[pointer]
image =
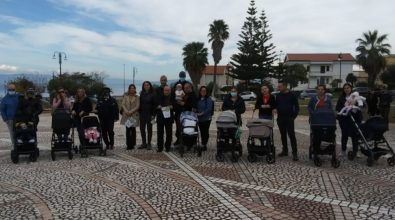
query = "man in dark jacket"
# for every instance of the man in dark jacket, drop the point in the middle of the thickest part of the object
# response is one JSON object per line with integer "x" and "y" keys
{"x": 385, "y": 100}
{"x": 108, "y": 112}
{"x": 178, "y": 108}
{"x": 287, "y": 107}
{"x": 165, "y": 118}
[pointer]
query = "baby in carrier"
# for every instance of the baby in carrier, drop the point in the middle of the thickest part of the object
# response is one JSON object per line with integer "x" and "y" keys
{"x": 352, "y": 102}
{"x": 92, "y": 134}
{"x": 24, "y": 132}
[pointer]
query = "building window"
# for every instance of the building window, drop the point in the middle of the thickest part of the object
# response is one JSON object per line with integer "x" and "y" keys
{"x": 308, "y": 68}
{"x": 327, "y": 68}
{"x": 322, "y": 69}
{"x": 318, "y": 82}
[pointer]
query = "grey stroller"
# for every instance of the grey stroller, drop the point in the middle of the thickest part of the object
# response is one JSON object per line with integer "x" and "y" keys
{"x": 227, "y": 138}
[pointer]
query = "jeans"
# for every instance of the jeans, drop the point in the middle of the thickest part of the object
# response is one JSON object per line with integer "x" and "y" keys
{"x": 145, "y": 121}
{"x": 204, "y": 127}
{"x": 130, "y": 137}
{"x": 287, "y": 126}
{"x": 107, "y": 127}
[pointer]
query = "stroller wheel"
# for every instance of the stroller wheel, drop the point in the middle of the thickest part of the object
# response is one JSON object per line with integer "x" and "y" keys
{"x": 369, "y": 161}
{"x": 219, "y": 157}
{"x": 235, "y": 158}
{"x": 103, "y": 152}
{"x": 335, "y": 163}
{"x": 270, "y": 159}
{"x": 391, "y": 161}
{"x": 14, "y": 156}
{"x": 317, "y": 162}
{"x": 53, "y": 156}
{"x": 70, "y": 154}
{"x": 251, "y": 157}
{"x": 33, "y": 157}
{"x": 350, "y": 155}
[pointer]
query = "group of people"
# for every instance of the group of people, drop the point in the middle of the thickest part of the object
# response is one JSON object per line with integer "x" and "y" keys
{"x": 165, "y": 104}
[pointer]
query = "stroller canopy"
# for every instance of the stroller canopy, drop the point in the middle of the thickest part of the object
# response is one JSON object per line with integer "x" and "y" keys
{"x": 259, "y": 128}
{"x": 188, "y": 115}
{"x": 227, "y": 119}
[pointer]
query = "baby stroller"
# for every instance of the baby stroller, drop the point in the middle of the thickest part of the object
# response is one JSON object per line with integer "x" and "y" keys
{"x": 25, "y": 140}
{"x": 189, "y": 133}
{"x": 227, "y": 138}
{"x": 261, "y": 129}
{"x": 323, "y": 136}
{"x": 371, "y": 140}
{"x": 62, "y": 139}
{"x": 89, "y": 122}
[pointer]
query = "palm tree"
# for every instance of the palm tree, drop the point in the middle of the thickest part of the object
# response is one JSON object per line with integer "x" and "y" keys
{"x": 371, "y": 50}
{"x": 195, "y": 60}
{"x": 218, "y": 33}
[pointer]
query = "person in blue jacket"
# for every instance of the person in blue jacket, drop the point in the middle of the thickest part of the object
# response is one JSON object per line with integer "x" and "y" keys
{"x": 8, "y": 107}
{"x": 205, "y": 109}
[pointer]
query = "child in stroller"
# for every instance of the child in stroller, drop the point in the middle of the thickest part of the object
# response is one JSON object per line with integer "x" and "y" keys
{"x": 24, "y": 132}
{"x": 92, "y": 134}
{"x": 189, "y": 132}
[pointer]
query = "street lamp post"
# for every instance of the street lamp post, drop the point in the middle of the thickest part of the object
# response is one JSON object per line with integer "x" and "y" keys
{"x": 339, "y": 58}
{"x": 60, "y": 54}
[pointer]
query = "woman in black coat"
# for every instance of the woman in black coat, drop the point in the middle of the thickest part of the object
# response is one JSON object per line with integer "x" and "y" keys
{"x": 346, "y": 124}
{"x": 82, "y": 107}
{"x": 147, "y": 111}
{"x": 234, "y": 103}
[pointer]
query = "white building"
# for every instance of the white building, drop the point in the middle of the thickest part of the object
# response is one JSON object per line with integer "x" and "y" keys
{"x": 223, "y": 79}
{"x": 322, "y": 68}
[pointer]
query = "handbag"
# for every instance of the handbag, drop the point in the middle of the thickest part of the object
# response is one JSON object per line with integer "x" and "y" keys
{"x": 130, "y": 122}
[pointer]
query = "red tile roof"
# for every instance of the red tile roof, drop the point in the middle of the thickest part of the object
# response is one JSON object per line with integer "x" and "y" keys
{"x": 318, "y": 57}
{"x": 209, "y": 70}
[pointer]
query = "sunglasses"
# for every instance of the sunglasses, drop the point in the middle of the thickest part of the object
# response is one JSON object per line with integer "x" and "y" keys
{"x": 61, "y": 91}
{"x": 11, "y": 90}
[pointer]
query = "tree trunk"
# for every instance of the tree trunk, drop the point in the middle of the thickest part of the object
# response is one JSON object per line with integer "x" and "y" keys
{"x": 215, "y": 81}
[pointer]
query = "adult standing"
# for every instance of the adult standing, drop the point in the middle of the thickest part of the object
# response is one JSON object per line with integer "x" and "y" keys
{"x": 346, "y": 124}
{"x": 265, "y": 103}
{"x": 177, "y": 107}
{"x": 287, "y": 110}
{"x": 8, "y": 107}
{"x": 81, "y": 107}
{"x": 130, "y": 111}
{"x": 319, "y": 102}
{"x": 385, "y": 100}
{"x": 165, "y": 118}
{"x": 33, "y": 106}
{"x": 147, "y": 110}
{"x": 371, "y": 101}
{"x": 159, "y": 90}
{"x": 205, "y": 107}
{"x": 60, "y": 100}
{"x": 108, "y": 112}
{"x": 235, "y": 103}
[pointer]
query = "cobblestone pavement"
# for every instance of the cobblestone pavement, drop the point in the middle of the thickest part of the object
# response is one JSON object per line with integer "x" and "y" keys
{"x": 141, "y": 184}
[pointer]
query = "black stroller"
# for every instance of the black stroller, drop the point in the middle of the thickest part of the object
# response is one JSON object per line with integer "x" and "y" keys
{"x": 323, "y": 136}
{"x": 189, "y": 133}
{"x": 25, "y": 141}
{"x": 62, "y": 133}
{"x": 371, "y": 140}
{"x": 228, "y": 139}
{"x": 89, "y": 122}
{"x": 261, "y": 129}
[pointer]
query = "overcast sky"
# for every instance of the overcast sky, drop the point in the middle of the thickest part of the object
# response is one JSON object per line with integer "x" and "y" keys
{"x": 102, "y": 35}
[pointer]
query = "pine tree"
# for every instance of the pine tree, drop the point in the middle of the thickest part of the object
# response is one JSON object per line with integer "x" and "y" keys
{"x": 256, "y": 56}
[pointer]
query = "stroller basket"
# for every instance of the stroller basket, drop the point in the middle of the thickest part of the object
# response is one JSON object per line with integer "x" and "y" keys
{"x": 259, "y": 128}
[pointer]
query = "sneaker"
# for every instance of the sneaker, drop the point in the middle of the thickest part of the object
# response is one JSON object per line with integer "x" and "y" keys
{"x": 295, "y": 157}
{"x": 31, "y": 141}
{"x": 283, "y": 154}
{"x": 149, "y": 147}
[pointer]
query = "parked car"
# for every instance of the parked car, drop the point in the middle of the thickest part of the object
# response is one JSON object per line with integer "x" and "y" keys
{"x": 248, "y": 95}
{"x": 309, "y": 93}
{"x": 363, "y": 91}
